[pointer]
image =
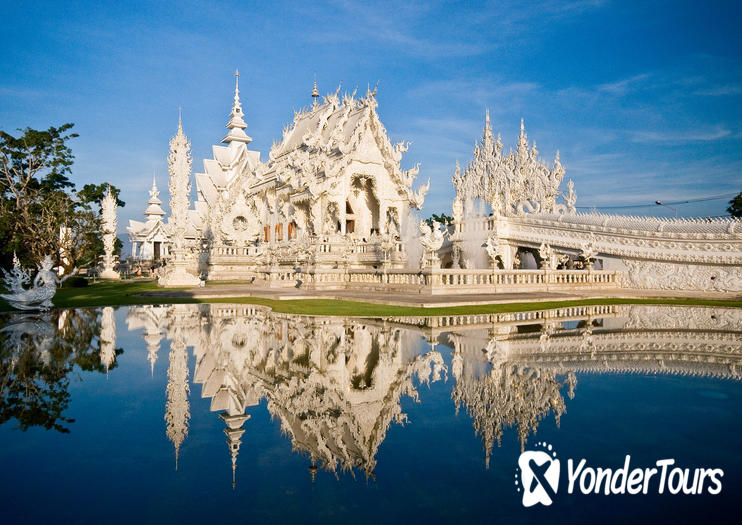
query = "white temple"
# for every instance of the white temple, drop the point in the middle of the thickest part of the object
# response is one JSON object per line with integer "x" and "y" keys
{"x": 150, "y": 239}
{"x": 330, "y": 209}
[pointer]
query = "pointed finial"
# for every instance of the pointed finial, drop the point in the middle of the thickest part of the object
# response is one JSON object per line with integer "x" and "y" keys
{"x": 234, "y": 475}
{"x": 315, "y": 93}
{"x": 522, "y": 127}
{"x": 487, "y": 116}
{"x": 236, "y": 125}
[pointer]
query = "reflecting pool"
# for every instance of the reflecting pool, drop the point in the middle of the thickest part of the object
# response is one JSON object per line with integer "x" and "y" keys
{"x": 211, "y": 412}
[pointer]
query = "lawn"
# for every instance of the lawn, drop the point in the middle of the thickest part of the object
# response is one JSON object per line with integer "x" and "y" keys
{"x": 122, "y": 293}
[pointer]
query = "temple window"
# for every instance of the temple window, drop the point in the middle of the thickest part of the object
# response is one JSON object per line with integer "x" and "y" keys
{"x": 267, "y": 233}
{"x": 279, "y": 231}
{"x": 292, "y": 230}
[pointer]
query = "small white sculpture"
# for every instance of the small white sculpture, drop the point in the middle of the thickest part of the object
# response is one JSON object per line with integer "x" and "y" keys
{"x": 496, "y": 248}
{"x": 432, "y": 240}
{"x": 39, "y": 296}
{"x": 588, "y": 251}
{"x": 547, "y": 256}
{"x": 493, "y": 248}
{"x": 386, "y": 245}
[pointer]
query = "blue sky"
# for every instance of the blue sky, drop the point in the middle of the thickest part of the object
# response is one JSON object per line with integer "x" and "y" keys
{"x": 642, "y": 99}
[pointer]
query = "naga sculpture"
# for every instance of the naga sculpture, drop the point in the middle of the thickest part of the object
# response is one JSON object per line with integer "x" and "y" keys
{"x": 39, "y": 295}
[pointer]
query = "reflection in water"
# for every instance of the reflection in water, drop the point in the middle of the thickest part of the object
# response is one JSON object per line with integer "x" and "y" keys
{"x": 510, "y": 369}
{"x": 336, "y": 384}
{"x": 177, "y": 411}
{"x": 107, "y": 338}
{"x": 38, "y": 353}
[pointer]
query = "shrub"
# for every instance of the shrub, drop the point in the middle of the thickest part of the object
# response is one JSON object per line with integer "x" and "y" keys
{"x": 75, "y": 282}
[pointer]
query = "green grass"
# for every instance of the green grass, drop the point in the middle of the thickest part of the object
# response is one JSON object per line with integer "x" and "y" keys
{"x": 125, "y": 293}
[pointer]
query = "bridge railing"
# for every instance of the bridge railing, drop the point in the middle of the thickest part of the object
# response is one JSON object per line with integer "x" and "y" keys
{"x": 447, "y": 281}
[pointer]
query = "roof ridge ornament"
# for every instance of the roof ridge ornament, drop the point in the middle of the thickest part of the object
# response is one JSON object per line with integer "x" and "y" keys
{"x": 236, "y": 124}
{"x": 315, "y": 93}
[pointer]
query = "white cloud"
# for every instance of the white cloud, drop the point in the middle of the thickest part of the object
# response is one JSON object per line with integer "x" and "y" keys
{"x": 680, "y": 137}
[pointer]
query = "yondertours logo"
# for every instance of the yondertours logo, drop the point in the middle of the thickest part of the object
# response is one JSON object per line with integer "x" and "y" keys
{"x": 538, "y": 476}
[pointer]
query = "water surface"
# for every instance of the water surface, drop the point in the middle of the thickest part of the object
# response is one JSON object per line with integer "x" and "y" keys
{"x": 213, "y": 412}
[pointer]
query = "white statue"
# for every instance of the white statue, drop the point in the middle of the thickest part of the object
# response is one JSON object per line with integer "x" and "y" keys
{"x": 432, "y": 240}
{"x": 40, "y": 295}
{"x": 108, "y": 212}
{"x": 588, "y": 251}
{"x": 494, "y": 249}
{"x": 547, "y": 256}
{"x": 386, "y": 245}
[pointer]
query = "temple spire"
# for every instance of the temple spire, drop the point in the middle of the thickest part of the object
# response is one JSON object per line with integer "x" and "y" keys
{"x": 234, "y": 432}
{"x": 488, "y": 141}
{"x": 315, "y": 93}
{"x": 522, "y": 142}
{"x": 236, "y": 124}
{"x": 154, "y": 209}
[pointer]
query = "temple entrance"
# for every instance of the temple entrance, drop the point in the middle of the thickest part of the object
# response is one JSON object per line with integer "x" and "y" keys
{"x": 156, "y": 250}
{"x": 365, "y": 206}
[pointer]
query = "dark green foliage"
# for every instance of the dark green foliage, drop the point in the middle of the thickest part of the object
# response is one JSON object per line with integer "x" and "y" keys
{"x": 735, "y": 206}
{"x": 442, "y": 218}
{"x": 75, "y": 282}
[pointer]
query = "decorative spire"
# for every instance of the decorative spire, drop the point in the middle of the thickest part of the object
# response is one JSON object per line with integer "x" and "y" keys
{"x": 236, "y": 124}
{"x": 522, "y": 142}
{"x": 234, "y": 432}
{"x": 488, "y": 141}
{"x": 315, "y": 93}
{"x": 154, "y": 209}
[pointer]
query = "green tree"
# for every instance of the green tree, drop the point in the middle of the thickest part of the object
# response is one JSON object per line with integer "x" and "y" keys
{"x": 33, "y": 200}
{"x": 735, "y": 206}
{"x": 39, "y": 212}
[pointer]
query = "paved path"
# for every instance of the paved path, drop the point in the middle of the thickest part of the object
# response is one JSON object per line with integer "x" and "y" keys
{"x": 421, "y": 300}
